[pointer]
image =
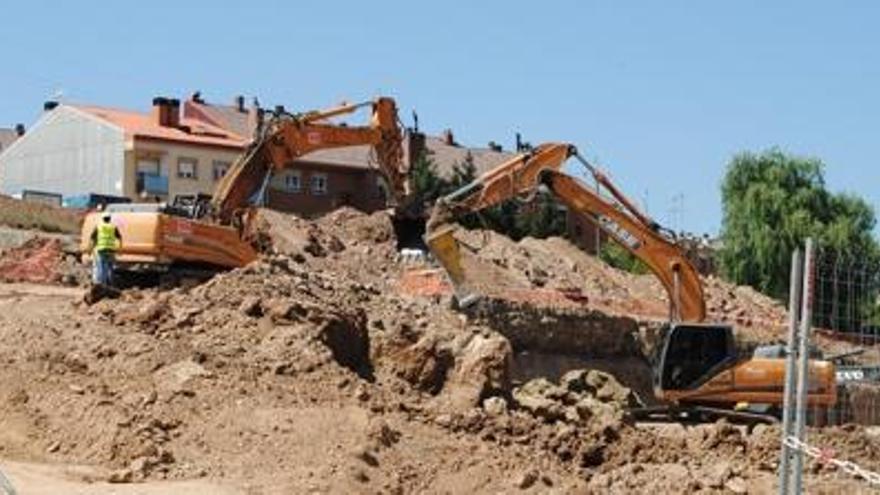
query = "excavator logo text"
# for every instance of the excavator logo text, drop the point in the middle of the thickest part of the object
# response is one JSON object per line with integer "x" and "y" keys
{"x": 619, "y": 233}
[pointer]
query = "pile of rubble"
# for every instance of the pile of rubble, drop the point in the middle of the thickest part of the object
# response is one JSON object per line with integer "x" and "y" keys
{"x": 41, "y": 260}
{"x": 311, "y": 370}
{"x": 500, "y": 266}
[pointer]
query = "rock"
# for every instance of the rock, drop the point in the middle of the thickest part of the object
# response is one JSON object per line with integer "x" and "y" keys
{"x": 495, "y": 406}
{"x": 444, "y": 420}
{"x": 574, "y": 381}
{"x": 141, "y": 466}
{"x": 541, "y": 398}
{"x": 283, "y": 310}
{"x": 120, "y": 476}
{"x": 54, "y": 447}
{"x": 364, "y": 454}
{"x": 180, "y": 376}
{"x": 608, "y": 389}
{"x": 151, "y": 312}
{"x": 736, "y": 485}
{"x": 482, "y": 367}
{"x": 381, "y": 434}
{"x": 716, "y": 475}
{"x": 360, "y": 475}
{"x": 589, "y": 408}
{"x": 526, "y": 479}
{"x": 251, "y": 306}
{"x": 361, "y": 393}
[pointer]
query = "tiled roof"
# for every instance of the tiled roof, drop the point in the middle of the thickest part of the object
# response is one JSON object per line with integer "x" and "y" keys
{"x": 446, "y": 156}
{"x": 224, "y": 116}
{"x": 142, "y": 125}
{"x": 222, "y": 125}
{"x": 7, "y": 136}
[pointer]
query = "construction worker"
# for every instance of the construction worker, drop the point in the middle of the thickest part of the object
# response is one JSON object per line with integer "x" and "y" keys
{"x": 105, "y": 241}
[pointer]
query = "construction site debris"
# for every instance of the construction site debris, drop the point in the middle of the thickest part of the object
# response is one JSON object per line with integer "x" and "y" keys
{"x": 41, "y": 260}
{"x": 311, "y": 371}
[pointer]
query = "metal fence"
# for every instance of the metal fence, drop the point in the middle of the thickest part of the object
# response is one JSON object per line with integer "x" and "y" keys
{"x": 846, "y": 321}
{"x": 834, "y": 315}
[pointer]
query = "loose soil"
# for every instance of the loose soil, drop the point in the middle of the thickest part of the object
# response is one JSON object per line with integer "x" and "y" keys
{"x": 317, "y": 370}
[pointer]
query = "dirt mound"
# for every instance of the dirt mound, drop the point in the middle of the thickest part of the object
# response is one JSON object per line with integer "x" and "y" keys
{"x": 500, "y": 267}
{"x": 310, "y": 371}
{"x": 36, "y": 216}
{"x": 41, "y": 260}
{"x": 37, "y": 260}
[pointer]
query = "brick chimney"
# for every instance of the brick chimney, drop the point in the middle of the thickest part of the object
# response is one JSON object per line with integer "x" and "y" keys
{"x": 416, "y": 147}
{"x": 166, "y": 111}
{"x": 447, "y": 137}
{"x": 254, "y": 117}
{"x": 239, "y": 104}
{"x": 49, "y": 105}
{"x": 19, "y": 130}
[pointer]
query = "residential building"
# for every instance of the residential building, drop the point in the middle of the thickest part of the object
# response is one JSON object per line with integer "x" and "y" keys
{"x": 75, "y": 149}
{"x": 81, "y": 149}
{"x": 8, "y": 136}
{"x": 186, "y": 147}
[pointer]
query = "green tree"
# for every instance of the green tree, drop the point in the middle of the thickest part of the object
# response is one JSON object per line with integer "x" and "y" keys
{"x": 426, "y": 183}
{"x": 617, "y": 256}
{"x": 542, "y": 217}
{"x": 772, "y": 202}
{"x": 463, "y": 173}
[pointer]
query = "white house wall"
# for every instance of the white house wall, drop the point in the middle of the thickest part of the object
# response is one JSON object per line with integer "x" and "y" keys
{"x": 66, "y": 152}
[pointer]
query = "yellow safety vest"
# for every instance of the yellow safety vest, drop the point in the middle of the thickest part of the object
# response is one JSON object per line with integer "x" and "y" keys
{"x": 106, "y": 238}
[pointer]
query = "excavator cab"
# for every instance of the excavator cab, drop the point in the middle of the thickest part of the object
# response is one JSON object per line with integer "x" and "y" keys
{"x": 697, "y": 366}
{"x": 692, "y": 354}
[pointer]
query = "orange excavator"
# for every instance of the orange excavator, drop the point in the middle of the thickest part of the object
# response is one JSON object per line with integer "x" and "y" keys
{"x": 214, "y": 232}
{"x": 697, "y": 372}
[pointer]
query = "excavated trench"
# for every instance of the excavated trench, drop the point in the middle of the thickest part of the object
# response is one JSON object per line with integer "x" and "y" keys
{"x": 548, "y": 342}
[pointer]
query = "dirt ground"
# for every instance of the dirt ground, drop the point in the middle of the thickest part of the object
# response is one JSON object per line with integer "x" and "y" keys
{"x": 315, "y": 370}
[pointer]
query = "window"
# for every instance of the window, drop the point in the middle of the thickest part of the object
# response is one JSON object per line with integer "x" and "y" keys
{"x": 318, "y": 184}
{"x": 220, "y": 169}
{"x": 187, "y": 168}
{"x": 292, "y": 181}
{"x": 148, "y": 166}
{"x": 149, "y": 178}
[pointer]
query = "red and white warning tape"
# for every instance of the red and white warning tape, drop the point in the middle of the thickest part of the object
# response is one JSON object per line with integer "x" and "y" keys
{"x": 826, "y": 456}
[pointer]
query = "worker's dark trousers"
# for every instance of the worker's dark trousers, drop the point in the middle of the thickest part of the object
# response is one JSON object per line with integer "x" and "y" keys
{"x": 102, "y": 268}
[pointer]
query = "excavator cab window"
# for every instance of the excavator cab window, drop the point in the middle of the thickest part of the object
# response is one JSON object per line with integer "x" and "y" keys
{"x": 692, "y": 354}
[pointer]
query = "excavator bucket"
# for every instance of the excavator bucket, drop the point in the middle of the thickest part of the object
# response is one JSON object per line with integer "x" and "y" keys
{"x": 445, "y": 248}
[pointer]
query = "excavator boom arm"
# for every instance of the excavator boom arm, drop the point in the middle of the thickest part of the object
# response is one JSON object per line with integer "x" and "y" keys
{"x": 664, "y": 258}
{"x": 621, "y": 220}
{"x": 286, "y": 138}
{"x": 516, "y": 176}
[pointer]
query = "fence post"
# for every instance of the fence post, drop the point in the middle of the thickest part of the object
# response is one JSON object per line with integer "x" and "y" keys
{"x": 6, "y": 487}
{"x": 794, "y": 300}
{"x": 803, "y": 384}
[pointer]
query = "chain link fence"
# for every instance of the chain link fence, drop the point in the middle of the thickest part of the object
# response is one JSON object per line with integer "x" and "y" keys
{"x": 846, "y": 328}
{"x": 834, "y": 315}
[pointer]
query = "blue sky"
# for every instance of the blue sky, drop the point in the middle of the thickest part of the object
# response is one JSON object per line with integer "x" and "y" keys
{"x": 661, "y": 94}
